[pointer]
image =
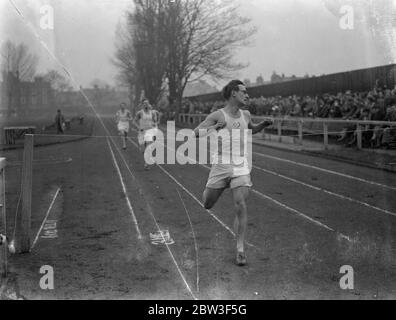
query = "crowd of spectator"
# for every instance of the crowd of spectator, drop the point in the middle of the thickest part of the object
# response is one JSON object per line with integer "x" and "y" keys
{"x": 379, "y": 104}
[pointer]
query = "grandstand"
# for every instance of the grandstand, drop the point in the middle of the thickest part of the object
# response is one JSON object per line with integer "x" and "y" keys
{"x": 355, "y": 80}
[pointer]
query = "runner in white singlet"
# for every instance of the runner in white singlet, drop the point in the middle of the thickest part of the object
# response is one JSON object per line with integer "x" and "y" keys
{"x": 146, "y": 121}
{"x": 123, "y": 116}
{"x": 231, "y": 165}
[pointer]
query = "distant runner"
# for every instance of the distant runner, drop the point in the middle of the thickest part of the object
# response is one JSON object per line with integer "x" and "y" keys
{"x": 146, "y": 120}
{"x": 123, "y": 116}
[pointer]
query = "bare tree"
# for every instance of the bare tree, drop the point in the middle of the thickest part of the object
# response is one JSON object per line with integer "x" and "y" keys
{"x": 149, "y": 32}
{"x": 58, "y": 81}
{"x": 125, "y": 61}
{"x": 18, "y": 60}
{"x": 175, "y": 42}
{"x": 99, "y": 84}
{"x": 141, "y": 50}
{"x": 202, "y": 37}
{"x": 101, "y": 91}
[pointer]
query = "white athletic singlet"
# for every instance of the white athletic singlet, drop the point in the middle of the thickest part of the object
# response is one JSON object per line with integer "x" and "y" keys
{"x": 123, "y": 116}
{"x": 233, "y": 142}
{"x": 146, "y": 120}
{"x": 123, "y": 120}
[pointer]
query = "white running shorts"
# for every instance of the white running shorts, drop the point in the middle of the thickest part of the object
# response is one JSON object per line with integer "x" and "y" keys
{"x": 123, "y": 126}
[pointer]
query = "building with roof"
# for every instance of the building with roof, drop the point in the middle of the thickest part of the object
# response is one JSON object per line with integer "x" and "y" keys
{"x": 20, "y": 97}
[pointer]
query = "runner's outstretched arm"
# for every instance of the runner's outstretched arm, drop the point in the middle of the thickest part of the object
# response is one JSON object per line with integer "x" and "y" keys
{"x": 210, "y": 124}
{"x": 259, "y": 126}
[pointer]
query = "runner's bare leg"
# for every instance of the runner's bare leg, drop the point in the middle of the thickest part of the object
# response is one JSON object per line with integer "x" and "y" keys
{"x": 210, "y": 197}
{"x": 240, "y": 196}
{"x": 124, "y": 135}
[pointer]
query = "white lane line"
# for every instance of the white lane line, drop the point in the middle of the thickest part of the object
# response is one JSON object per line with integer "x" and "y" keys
{"x": 326, "y": 191}
{"x": 327, "y": 171}
{"x": 195, "y": 198}
{"x": 316, "y": 222}
{"x": 125, "y": 192}
{"x": 301, "y": 214}
{"x": 157, "y": 225}
{"x": 174, "y": 261}
{"x": 45, "y": 219}
{"x": 195, "y": 239}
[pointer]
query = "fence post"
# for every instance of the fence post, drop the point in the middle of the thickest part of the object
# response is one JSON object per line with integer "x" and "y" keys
{"x": 326, "y": 135}
{"x": 24, "y": 219}
{"x": 279, "y": 125}
{"x": 4, "y": 249}
{"x": 300, "y": 132}
{"x": 359, "y": 136}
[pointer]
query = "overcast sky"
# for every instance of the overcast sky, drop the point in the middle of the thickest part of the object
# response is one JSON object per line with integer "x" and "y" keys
{"x": 294, "y": 36}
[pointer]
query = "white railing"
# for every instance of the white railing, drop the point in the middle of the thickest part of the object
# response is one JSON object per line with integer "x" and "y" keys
{"x": 280, "y": 124}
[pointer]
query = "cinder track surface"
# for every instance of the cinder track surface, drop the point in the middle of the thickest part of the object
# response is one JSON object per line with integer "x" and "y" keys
{"x": 307, "y": 218}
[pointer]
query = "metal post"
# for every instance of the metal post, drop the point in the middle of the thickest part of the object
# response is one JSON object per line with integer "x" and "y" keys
{"x": 279, "y": 124}
{"x": 300, "y": 132}
{"x": 4, "y": 249}
{"x": 24, "y": 219}
{"x": 326, "y": 135}
{"x": 359, "y": 136}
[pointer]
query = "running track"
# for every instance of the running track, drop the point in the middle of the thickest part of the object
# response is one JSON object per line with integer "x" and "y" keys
{"x": 307, "y": 217}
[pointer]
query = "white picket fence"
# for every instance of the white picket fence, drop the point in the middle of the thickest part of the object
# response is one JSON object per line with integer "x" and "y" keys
{"x": 303, "y": 126}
